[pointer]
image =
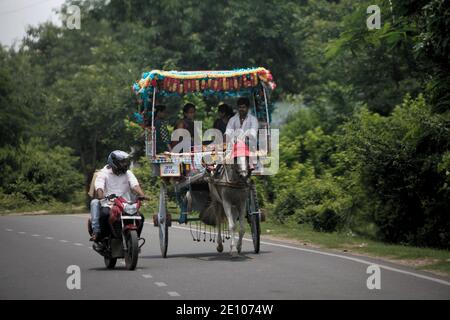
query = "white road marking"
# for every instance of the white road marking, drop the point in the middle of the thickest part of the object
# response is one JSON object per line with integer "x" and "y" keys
{"x": 447, "y": 283}
{"x": 21, "y": 232}
{"x": 161, "y": 284}
{"x": 49, "y": 238}
{"x": 173, "y": 293}
{"x": 63, "y": 241}
{"x": 147, "y": 276}
{"x": 78, "y": 244}
{"x": 417, "y": 275}
{"x": 35, "y": 235}
{"x": 9, "y": 230}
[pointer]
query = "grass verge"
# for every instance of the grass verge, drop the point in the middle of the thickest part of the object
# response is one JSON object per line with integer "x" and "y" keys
{"x": 51, "y": 208}
{"x": 12, "y": 204}
{"x": 429, "y": 259}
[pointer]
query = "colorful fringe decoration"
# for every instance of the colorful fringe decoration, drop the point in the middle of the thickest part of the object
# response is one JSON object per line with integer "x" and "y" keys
{"x": 207, "y": 82}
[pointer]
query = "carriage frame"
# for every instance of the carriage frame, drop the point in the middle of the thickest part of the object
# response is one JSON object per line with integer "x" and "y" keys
{"x": 255, "y": 83}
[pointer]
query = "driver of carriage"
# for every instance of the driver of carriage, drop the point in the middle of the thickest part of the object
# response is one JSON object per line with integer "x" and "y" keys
{"x": 242, "y": 127}
{"x": 114, "y": 178}
{"x": 188, "y": 119}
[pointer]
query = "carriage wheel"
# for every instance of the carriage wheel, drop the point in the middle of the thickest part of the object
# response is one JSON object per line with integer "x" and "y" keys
{"x": 163, "y": 223}
{"x": 254, "y": 218}
{"x": 256, "y": 231}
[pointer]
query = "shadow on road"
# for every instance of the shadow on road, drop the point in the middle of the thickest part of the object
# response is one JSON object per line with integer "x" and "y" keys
{"x": 209, "y": 256}
{"x": 118, "y": 268}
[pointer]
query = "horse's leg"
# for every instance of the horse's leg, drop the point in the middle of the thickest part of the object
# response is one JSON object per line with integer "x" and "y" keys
{"x": 219, "y": 238}
{"x": 227, "y": 207}
{"x": 241, "y": 228}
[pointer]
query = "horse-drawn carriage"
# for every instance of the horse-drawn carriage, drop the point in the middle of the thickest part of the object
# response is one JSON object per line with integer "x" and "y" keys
{"x": 215, "y": 189}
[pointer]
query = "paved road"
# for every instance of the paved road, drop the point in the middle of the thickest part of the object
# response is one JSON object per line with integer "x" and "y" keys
{"x": 36, "y": 251}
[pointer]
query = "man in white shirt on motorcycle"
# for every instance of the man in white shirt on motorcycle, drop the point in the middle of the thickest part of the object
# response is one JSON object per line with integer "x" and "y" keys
{"x": 114, "y": 179}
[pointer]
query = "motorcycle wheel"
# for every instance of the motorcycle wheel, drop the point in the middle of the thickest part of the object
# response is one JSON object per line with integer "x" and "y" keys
{"x": 131, "y": 255}
{"x": 110, "y": 263}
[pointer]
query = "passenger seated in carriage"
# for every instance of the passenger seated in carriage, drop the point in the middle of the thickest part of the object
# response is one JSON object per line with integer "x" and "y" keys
{"x": 188, "y": 121}
{"x": 225, "y": 113}
{"x": 162, "y": 132}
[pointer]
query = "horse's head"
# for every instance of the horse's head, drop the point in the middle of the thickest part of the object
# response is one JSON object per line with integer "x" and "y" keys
{"x": 242, "y": 166}
{"x": 240, "y": 154}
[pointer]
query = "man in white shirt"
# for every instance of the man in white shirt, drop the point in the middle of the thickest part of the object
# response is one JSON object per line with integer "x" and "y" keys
{"x": 108, "y": 183}
{"x": 242, "y": 124}
{"x": 114, "y": 178}
{"x": 242, "y": 128}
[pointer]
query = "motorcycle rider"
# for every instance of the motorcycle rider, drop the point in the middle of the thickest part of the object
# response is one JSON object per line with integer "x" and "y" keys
{"x": 115, "y": 178}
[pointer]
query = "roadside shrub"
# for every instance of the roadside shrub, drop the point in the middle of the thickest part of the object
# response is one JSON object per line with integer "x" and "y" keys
{"x": 317, "y": 201}
{"x": 286, "y": 205}
{"x": 144, "y": 173}
{"x": 327, "y": 220}
{"x": 38, "y": 172}
{"x": 12, "y": 201}
{"x": 322, "y": 217}
{"x": 149, "y": 183}
{"x": 403, "y": 162}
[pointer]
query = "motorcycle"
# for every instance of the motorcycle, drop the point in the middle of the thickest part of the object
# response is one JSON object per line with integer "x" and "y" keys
{"x": 120, "y": 231}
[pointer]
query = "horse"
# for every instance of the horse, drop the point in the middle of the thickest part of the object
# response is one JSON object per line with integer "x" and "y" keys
{"x": 228, "y": 188}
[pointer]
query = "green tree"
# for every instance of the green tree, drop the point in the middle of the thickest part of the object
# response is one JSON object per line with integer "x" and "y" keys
{"x": 402, "y": 159}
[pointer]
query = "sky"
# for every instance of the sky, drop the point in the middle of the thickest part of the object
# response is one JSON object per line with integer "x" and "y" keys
{"x": 16, "y": 15}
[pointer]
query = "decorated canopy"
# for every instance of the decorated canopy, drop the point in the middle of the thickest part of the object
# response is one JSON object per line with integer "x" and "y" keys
{"x": 251, "y": 82}
{"x": 230, "y": 82}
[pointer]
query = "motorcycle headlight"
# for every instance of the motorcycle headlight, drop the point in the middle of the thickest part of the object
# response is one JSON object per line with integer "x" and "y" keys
{"x": 130, "y": 209}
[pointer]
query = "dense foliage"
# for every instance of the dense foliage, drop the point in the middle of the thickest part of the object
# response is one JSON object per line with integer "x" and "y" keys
{"x": 366, "y": 147}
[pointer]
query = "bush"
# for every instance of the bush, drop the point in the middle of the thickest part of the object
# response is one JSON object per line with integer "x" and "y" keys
{"x": 326, "y": 220}
{"x": 325, "y": 206}
{"x": 13, "y": 201}
{"x": 143, "y": 172}
{"x": 38, "y": 172}
{"x": 318, "y": 201}
{"x": 148, "y": 183}
{"x": 286, "y": 205}
{"x": 403, "y": 161}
